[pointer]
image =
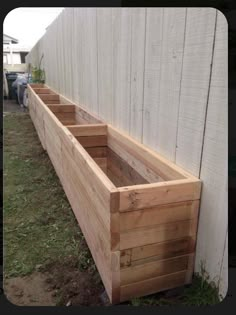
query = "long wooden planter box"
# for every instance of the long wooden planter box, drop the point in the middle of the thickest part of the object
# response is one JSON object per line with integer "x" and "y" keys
{"x": 137, "y": 211}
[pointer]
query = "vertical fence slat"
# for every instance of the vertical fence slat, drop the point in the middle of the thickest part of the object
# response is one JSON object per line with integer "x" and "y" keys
{"x": 105, "y": 85}
{"x": 170, "y": 80}
{"x": 213, "y": 220}
{"x": 137, "y": 71}
{"x": 121, "y": 51}
{"x": 152, "y": 76}
{"x": 197, "y": 59}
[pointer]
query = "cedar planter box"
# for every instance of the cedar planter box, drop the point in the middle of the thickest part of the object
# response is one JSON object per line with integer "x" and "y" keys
{"x": 137, "y": 211}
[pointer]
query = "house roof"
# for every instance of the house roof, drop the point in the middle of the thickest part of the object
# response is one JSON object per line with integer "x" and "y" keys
{"x": 8, "y": 39}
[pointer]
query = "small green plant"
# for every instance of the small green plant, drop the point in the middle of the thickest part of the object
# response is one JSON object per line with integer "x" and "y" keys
{"x": 38, "y": 74}
{"x": 202, "y": 291}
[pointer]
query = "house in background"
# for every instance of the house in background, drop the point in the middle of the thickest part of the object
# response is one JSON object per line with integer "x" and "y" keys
{"x": 14, "y": 54}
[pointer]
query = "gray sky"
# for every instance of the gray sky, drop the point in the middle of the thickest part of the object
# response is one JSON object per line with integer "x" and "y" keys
{"x": 29, "y": 24}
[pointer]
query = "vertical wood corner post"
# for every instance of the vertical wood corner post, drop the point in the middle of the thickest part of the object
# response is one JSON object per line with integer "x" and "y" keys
{"x": 137, "y": 210}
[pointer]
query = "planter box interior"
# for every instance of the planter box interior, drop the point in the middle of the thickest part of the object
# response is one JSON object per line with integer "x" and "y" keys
{"x": 68, "y": 114}
{"x": 137, "y": 210}
{"x": 118, "y": 162}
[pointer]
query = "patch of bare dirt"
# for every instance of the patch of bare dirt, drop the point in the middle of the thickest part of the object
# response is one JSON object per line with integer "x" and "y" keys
{"x": 76, "y": 287}
{"x": 60, "y": 283}
{"x": 30, "y": 290}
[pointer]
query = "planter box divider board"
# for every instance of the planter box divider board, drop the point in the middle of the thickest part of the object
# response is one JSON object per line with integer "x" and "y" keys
{"x": 137, "y": 210}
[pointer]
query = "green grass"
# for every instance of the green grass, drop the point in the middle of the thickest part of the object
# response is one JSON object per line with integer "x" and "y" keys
{"x": 200, "y": 293}
{"x": 39, "y": 226}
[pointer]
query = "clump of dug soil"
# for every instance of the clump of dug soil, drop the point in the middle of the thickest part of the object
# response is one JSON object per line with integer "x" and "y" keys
{"x": 75, "y": 287}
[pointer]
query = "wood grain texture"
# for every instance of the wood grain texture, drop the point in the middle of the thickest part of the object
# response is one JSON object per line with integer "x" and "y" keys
{"x": 49, "y": 97}
{"x": 42, "y": 91}
{"x": 156, "y": 233}
{"x": 154, "y": 269}
{"x": 150, "y": 195}
{"x": 154, "y": 252}
{"x": 162, "y": 214}
{"x": 97, "y": 152}
{"x": 121, "y": 171}
{"x": 88, "y": 130}
{"x": 62, "y": 108}
{"x": 92, "y": 141}
{"x": 153, "y": 285}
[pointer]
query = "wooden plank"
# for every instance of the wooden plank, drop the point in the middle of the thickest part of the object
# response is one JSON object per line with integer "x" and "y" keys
{"x": 59, "y": 104}
{"x": 42, "y": 91}
{"x": 116, "y": 180}
{"x": 137, "y": 164}
{"x": 49, "y": 102}
{"x": 150, "y": 195}
{"x": 153, "y": 285}
{"x": 115, "y": 277}
{"x": 53, "y": 144}
{"x": 89, "y": 130}
{"x": 142, "y": 254}
{"x": 65, "y": 115}
{"x": 85, "y": 116}
{"x": 154, "y": 269}
{"x": 92, "y": 141}
{"x": 68, "y": 122}
{"x": 49, "y": 97}
{"x": 189, "y": 273}
{"x": 115, "y": 231}
{"x": 162, "y": 214}
{"x": 37, "y": 85}
{"x": 163, "y": 167}
{"x": 96, "y": 152}
{"x": 122, "y": 170}
{"x": 93, "y": 230}
{"x": 89, "y": 222}
{"x": 157, "y": 233}
{"x": 94, "y": 204}
{"x": 102, "y": 163}
{"x": 62, "y": 108}
{"x": 98, "y": 183}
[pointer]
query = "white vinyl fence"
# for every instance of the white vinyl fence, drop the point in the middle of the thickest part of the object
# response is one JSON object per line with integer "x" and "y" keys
{"x": 160, "y": 75}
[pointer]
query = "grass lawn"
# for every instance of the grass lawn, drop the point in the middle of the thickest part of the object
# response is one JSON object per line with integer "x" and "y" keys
{"x": 40, "y": 230}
